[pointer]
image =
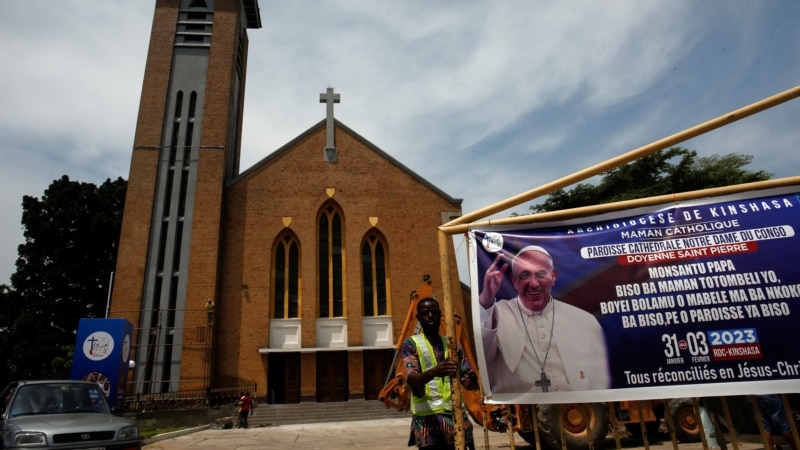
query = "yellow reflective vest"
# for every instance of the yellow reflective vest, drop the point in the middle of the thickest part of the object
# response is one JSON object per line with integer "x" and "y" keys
{"x": 437, "y": 391}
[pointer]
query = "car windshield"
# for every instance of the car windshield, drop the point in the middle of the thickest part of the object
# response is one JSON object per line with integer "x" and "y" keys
{"x": 58, "y": 398}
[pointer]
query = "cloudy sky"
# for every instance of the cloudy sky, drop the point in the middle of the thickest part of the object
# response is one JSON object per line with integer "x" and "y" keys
{"x": 484, "y": 99}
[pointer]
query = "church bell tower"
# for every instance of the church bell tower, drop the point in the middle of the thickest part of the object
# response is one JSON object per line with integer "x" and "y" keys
{"x": 186, "y": 147}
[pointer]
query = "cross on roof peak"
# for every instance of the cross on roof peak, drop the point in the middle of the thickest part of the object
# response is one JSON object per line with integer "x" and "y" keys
{"x": 329, "y": 98}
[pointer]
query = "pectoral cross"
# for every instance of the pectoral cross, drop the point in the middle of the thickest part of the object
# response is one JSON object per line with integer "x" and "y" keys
{"x": 544, "y": 382}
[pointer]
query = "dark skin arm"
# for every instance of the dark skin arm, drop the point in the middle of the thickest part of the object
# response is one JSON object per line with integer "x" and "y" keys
{"x": 417, "y": 381}
{"x": 470, "y": 381}
{"x": 447, "y": 368}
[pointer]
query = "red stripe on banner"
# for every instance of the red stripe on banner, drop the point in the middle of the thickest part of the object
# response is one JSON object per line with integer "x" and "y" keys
{"x": 735, "y": 352}
{"x": 694, "y": 253}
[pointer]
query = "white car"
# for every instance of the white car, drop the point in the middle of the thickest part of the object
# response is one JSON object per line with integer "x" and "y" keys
{"x": 62, "y": 414}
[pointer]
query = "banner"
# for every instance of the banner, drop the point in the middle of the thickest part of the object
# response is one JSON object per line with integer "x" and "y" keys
{"x": 692, "y": 299}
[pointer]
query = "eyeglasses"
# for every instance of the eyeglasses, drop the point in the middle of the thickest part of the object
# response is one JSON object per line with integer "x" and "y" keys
{"x": 539, "y": 274}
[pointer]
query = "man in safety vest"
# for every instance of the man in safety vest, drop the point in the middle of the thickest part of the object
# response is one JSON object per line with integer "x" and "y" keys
{"x": 428, "y": 368}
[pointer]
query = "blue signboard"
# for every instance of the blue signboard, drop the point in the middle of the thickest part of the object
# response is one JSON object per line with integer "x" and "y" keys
{"x": 102, "y": 354}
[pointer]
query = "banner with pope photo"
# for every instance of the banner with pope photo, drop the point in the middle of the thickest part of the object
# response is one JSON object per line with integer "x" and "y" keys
{"x": 691, "y": 299}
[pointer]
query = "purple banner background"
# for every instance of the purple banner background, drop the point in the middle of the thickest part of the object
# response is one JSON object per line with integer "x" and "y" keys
{"x": 694, "y": 299}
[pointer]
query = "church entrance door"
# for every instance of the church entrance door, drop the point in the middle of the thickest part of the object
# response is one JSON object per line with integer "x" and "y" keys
{"x": 377, "y": 366}
{"x": 332, "y": 377}
{"x": 283, "y": 379}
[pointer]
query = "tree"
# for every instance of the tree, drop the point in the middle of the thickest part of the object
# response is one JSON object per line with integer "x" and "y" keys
{"x": 670, "y": 171}
{"x": 62, "y": 275}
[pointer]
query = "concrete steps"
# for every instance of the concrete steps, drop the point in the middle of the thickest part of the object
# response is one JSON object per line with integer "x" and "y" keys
{"x": 265, "y": 415}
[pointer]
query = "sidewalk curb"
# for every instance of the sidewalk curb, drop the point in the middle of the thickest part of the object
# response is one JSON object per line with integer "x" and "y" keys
{"x": 173, "y": 434}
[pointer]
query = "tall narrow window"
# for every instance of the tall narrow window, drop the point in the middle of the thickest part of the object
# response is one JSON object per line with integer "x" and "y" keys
{"x": 331, "y": 262}
{"x": 374, "y": 275}
{"x": 286, "y": 294}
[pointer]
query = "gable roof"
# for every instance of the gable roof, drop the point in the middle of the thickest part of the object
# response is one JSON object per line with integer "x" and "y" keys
{"x": 321, "y": 124}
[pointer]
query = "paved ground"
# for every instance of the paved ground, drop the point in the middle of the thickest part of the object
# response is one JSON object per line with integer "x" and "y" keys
{"x": 378, "y": 434}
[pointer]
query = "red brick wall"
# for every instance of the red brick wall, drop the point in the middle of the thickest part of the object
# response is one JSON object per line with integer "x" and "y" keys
{"x": 203, "y": 268}
{"x": 135, "y": 233}
{"x": 293, "y": 184}
{"x": 234, "y": 228}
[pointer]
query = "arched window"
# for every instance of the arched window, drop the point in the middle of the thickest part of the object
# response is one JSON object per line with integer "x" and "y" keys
{"x": 286, "y": 276}
{"x": 374, "y": 274}
{"x": 331, "y": 262}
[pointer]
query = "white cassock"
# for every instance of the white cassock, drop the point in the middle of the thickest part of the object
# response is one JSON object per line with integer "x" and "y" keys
{"x": 570, "y": 348}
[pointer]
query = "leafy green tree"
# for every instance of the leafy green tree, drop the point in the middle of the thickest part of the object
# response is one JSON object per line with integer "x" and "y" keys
{"x": 63, "y": 362}
{"x": 62, "y": 275}
{"x": 670, "y": 171}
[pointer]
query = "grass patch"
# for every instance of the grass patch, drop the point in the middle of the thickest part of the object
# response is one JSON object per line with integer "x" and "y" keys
{"x": 150, "y": 431}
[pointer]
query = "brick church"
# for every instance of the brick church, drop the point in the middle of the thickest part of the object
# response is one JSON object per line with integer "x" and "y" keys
{"x": 293, "y": 274}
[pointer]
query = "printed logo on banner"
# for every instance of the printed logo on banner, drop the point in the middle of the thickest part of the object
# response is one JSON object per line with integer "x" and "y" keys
{"x": 98, "y": 346}
{"x": 492, "y": 242}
